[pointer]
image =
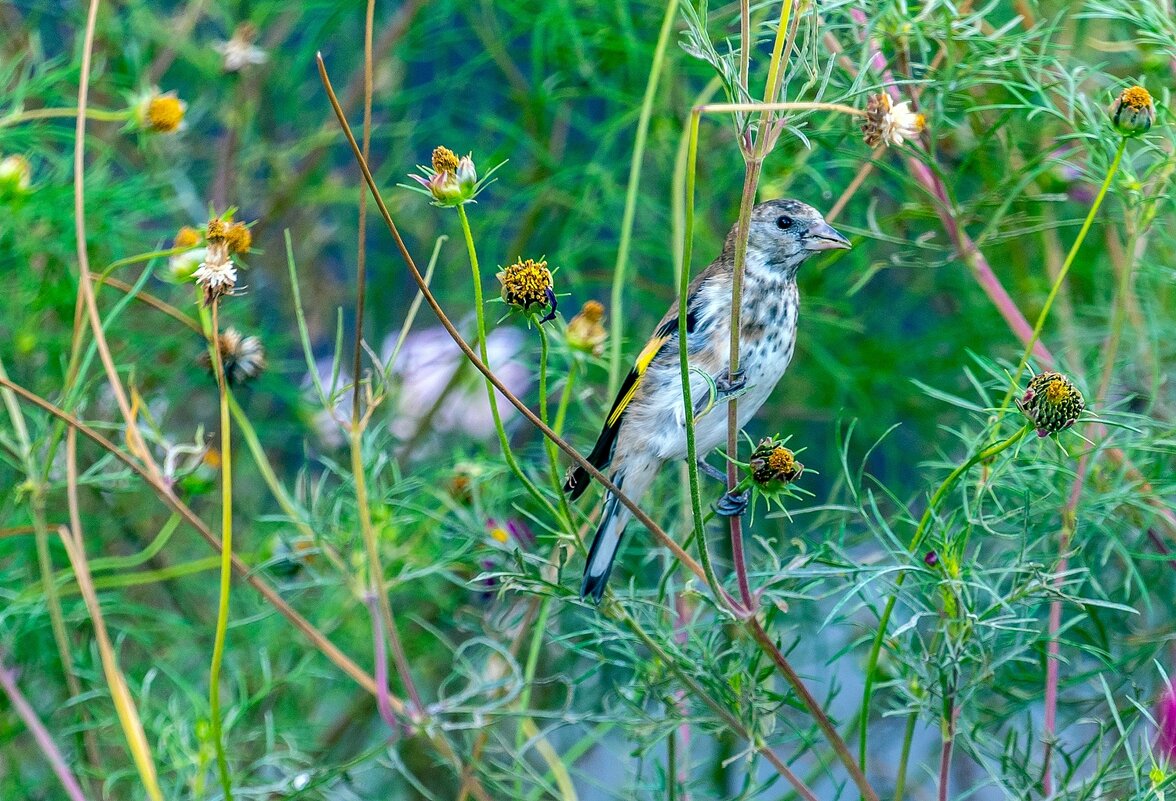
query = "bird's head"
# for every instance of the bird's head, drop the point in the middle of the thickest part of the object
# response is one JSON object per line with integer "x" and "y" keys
{"x": 786, "y": 232}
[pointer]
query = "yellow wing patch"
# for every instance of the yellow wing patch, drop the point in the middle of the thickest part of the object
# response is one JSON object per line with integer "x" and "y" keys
{"x": 643, "y": 360}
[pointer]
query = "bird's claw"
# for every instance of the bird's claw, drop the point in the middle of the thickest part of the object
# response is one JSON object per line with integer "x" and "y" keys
{"x": 733, "y": 504}
{"x": 728, "y": 384}
{"x": 709, "y": 470}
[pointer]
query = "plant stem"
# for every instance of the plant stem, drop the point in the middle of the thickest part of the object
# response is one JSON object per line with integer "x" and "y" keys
{"x": 630, "y": 212}
{"x": 480, "y": 313}
{"x": 908, "y": 737}
{"x": 376, "y": 578}
{"x": 99, "y": 115}
{"x": 1057, "y": 285}
{"x": 548, "y": 445}
{"x": 750, "y": 182}
{"x": 120, "y": 693}
{"x": 696, "y": 515}
{"x": 917, "y": 540}
{"x": 226, "y": 571}
{"x": 28, "y": 715}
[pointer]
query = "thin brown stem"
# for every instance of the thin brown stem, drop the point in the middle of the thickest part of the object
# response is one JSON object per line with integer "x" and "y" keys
{"x": 161, "y": 489}
{"x": 473, "y": 358}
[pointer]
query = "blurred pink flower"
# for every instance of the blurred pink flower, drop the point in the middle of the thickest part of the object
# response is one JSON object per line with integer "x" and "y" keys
{"x": 425, "y": 368}
{"x": 1166, "y": 721}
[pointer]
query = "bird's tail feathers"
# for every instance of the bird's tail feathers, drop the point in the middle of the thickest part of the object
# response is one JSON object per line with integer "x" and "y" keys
{"x": 634, "y": 480}
{"x": 604, "y": 548}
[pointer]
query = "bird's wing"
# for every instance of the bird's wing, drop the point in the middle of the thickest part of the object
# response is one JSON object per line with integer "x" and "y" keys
{"x": 665, "y": 334}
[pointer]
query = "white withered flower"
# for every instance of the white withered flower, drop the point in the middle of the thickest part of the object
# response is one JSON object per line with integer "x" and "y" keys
{"x": 890, "y": 124}
{"x": 240, "y": 52}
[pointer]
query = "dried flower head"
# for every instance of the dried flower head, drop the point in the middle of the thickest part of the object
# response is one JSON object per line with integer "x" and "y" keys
{"x": 527, "y": 285}
{"x": 450, "y": 181}
{"x": 217, "y": 274}
{"x": 240, "y": 51}
{"x": 238, "y": 238}
{"x": 586, "y": 331}
{"x": 1052, "y": 403}
{"x": 15, "y": 174}
{"x": 1133, "y": 111}
{"x": 160, "y": 112}
{"x": 242, "y": 357}
{"x": 890, "y": 124}
{"x": 187, "y": 237}
{"x": 773, "y": 464}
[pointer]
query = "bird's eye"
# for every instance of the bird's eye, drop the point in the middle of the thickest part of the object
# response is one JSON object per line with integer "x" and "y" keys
{"x": 784, "y": 222}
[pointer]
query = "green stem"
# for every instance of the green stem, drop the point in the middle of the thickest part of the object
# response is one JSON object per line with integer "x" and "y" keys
{"x": 684, "y": 365}
{"x": 548, "y": 445}
{"x": 1062, "y": 273}
{"x": 483, "y": 351}
{"x": 908, "y": 736}
{"x": 226, "y": 562}
{"x": 376, "y": 575}
{"x": 916, "y": 541}
{"x": 96, "y": 114}
{"x": 296, "y": 516}
{"x": 630, "y": 212}
{"x": 529, "y": 669}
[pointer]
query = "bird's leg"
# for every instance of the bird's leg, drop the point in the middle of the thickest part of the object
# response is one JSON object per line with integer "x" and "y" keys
{"x": 729, "y": 384}
{"x": 710, "y": 470}
{"x": 733, "y": 504}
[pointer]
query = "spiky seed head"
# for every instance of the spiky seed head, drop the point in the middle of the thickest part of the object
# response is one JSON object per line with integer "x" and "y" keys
{"x": 1051, "y": 403}
{"x": 772, "y": 463}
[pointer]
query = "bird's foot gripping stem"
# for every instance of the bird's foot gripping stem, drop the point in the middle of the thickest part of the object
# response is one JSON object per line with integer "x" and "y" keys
{"x": 730, "y": 384}
{"x": 733, "y": 504}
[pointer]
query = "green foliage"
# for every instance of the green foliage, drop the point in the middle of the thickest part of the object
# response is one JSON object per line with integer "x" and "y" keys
{"x": 901, "y": 375}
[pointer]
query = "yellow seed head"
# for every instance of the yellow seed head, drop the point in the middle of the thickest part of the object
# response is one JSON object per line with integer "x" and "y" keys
{"x": 1052, "y": 403}
{"x": 444, "y": 160}
{"x": 165, "y": 113}
{"x": 526, "y": 284}
{"x": 772, "y": 463}
{"x": 238, "y": 238}
{"x": 217, "y": 229}
{"x": 1133, "y": 111}
{"x": 186, "y": 237}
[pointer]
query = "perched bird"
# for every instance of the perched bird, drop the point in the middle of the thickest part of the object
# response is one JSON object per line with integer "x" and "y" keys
{"x": 646, "y": 426}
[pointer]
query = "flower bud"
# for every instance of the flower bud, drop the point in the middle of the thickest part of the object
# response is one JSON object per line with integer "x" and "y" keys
{"x": 467, "y": 176}
{"x": 585, "y": 331}
{"x": 1133, "y": 111}
{"x": 1052, "y": 403}
{"x": 15, "y": 174}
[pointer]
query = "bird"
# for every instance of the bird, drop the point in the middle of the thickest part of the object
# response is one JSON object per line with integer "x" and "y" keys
{"x": 645, "y": 427}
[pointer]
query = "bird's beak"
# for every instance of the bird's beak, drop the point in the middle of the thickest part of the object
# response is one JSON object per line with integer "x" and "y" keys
{"x": 822, "y": 236}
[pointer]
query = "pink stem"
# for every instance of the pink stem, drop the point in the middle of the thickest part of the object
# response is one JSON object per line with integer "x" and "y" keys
{"x": 383, "y": 703}
{"x": 40, "y": 734}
